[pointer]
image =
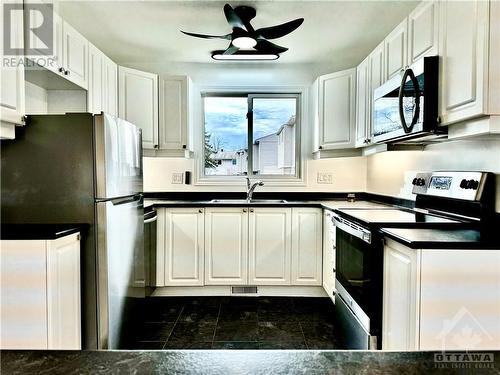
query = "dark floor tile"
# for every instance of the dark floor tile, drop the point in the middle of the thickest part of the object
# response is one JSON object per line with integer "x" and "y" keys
{"x": 282, "y": 345}
{"x": 314, "y": 309}
{"x": 280, "y": 331}
{"x": 320, "y": 335}
{"x": 236, "y": 331}
{"x": 148, "y": 345}
{"x": 193, "y": 332}
{"x": 188, "y": 345}
{"x": 248, "y": 345}
{"x": 238, "y": 309}
{"x": 277, "y": 309}
{"x": 200, "y": 310}
{"x": 154, "y": 331}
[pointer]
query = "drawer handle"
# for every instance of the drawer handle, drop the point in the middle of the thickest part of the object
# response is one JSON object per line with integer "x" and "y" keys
{"x": 200, "y": 210}
{"x": 244, "y": 210}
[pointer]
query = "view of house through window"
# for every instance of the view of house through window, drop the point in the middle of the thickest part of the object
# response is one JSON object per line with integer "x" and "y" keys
{"x": 270, "y": 133}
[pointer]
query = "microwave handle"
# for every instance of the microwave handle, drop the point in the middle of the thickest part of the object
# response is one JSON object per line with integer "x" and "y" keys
{"x": 409, "y": 73}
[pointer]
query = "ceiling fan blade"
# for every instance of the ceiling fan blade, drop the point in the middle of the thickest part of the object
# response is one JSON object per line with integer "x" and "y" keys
{"x": 246, "y": 14}
{"x": 268, "y": 47}
{"x": 231, "y": 50}
{"x": 227, "y": 36}
{"x": 278, "y": 31}
{"x": 232, "y": 18}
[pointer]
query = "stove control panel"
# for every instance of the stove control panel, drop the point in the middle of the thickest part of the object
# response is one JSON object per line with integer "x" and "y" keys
{"x": 457, "y": 185}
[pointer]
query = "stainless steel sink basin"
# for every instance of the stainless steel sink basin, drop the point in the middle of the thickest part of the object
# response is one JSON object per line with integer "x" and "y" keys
{"x": 244, "y": 201}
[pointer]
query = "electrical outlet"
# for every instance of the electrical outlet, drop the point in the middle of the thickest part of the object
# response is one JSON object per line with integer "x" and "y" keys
{"x": 177, "y": 178}
{"x": 324, "y": 178}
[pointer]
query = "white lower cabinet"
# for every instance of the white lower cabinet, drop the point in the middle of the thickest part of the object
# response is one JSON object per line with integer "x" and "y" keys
{"x": 226, "y": 246}
{"x": 184, "y": 236}
{"x": 440, "y": 299}
{"x": 270, "y": 246}
{"x": 306, "y": 246}
{"x": 40, "y": 294}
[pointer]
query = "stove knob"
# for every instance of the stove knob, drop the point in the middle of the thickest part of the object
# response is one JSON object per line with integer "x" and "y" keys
{"x": 414, "y": 182}
{"x": 420, "y": 182}
{"x": 474, "y": 184}
{"x": 463, "y": 184}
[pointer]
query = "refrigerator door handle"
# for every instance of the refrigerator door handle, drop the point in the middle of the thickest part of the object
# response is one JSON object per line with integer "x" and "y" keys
{"x": 125, "y": 200}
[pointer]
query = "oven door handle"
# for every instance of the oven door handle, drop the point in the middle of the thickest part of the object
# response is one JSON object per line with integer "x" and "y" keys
{"x": 354, "y": 230}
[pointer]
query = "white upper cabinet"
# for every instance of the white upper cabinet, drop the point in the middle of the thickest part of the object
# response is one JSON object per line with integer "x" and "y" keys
{"x": 470, "y": 59}
{"x": 423, "y": 31}
{"x": 110, "y": 87}
{"x": 138, "y": 102}
{"x": 377, "y": 71}
{"x": 396, "y": 50}
{"x": 307, "y": 230}
{"x": 336, "y": 110}
{"x": 174, "y": 114}
{"x": 363, "y": 107}
{"x": 75, "y": 56}
{"x": 226, "y": 246}
{"x": 95, "y": 95}
{"x": 269, "y": 246}
{"x": 184, "y": 246}
{"x": 12, "y": 100}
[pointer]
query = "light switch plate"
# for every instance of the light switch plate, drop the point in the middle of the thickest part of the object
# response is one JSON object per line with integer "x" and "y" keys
{"x": 324, "y": 178}
{"x": 177, "y": 178}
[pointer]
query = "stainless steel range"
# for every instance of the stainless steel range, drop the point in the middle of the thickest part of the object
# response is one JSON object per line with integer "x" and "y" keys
{"x": 444, "y": 200}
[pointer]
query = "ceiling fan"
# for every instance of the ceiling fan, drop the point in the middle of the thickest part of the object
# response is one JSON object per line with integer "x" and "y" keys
{"x": 246, "y": 43}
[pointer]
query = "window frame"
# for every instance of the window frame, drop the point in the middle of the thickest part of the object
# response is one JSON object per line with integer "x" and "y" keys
{"x": 251, "y": 95}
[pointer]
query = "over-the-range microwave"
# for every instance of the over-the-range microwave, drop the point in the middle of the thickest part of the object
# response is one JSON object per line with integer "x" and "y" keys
{"x": 406, "y": 107}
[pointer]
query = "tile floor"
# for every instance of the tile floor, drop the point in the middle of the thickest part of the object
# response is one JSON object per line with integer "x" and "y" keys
{"x": 237, "y": 323}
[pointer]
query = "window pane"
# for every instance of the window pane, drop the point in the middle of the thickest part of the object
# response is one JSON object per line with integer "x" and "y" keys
{"x": 226, "y": 136}
{"x": 274, "y": 136}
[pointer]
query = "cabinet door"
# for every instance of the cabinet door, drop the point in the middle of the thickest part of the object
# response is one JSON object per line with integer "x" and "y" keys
{"x": 464, "y": 60}
{"x": 328, "y": 254}
{"x": 400, "y": 298}
{"x": 226, "y": 246}
{"x": 270, "y": 246}
{"x": 95, "y": 93}
{"x": 138, "y": 102}
{"x": 423, "y": 31}
{"x": 23, "y": 311}
{"x": 307, "y": 243}
{"x": 110, "y": 87}
{"x": 396, "y": 50}
{"x": 460, "y": 301}
{"x": 184, "y": 246}
{"x": 75, "y": 56}
{"x": 337, "y": 112}
{"x": 173, "y": 112}
{"x": 363, "y": 107}
{"x": 12, "y": 78}
{"x": 63, "y": 293}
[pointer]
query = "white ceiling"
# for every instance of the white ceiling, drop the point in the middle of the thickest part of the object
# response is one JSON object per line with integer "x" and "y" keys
{"x": 340, "y": 32}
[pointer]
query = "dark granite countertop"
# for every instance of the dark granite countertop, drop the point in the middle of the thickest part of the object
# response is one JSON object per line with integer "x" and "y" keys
{"x": 39, "y": 231}
{"x": 442, "y": 238}
{"x": 241, "y": 362}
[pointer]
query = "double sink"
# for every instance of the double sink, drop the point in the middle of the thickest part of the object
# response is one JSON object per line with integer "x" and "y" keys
{"x": 245, "y": 201}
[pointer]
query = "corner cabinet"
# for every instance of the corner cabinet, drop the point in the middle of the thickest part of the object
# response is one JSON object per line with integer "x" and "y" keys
{"x": 12, "y": 100}
{"x": 138, "y": 102}
{"x": 41, "y": 279}
{"x": 470, "y": 62}
{"x": 431, "y": 299}
{"x": 335, "y": 112}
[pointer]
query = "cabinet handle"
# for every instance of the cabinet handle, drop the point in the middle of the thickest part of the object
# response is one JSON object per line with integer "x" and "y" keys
{"x": 200, "y": 210}
{"x": 61, "y": 70}
{"x": 24, "y": 119}
{"x": 66, "y": 72}
{"x": 244, "y": 210}
{"x": 251, "y": 210}
{"x": 320, "y": 147}
{"x": 184, "y": 146}
{"x": 155, "y": 146}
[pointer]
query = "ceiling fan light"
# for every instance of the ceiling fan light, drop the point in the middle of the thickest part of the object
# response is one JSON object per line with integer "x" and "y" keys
{"x": 242, "y": 56}
{"x": 244, "y": 42}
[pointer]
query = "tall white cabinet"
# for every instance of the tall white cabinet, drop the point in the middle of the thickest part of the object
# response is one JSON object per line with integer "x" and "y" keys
{"x": 40, "y": 293}
{"x": 102, "y": 93}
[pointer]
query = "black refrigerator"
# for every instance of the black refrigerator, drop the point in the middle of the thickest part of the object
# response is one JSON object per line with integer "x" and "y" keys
{"x": 86, "y": 169}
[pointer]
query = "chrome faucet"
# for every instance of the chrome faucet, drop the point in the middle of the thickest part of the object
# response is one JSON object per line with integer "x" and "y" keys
{"x": 251, "y": 187}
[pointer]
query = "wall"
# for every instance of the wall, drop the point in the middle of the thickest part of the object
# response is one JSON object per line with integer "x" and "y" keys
{"x": 390, "y": 173}
{"x": 349, "y": 174}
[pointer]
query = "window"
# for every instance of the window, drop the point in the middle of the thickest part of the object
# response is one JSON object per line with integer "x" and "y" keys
{"x": 256, "y": 132}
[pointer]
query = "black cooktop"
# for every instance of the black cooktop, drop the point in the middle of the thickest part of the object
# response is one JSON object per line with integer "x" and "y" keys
{"x": 395, "y": 217}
